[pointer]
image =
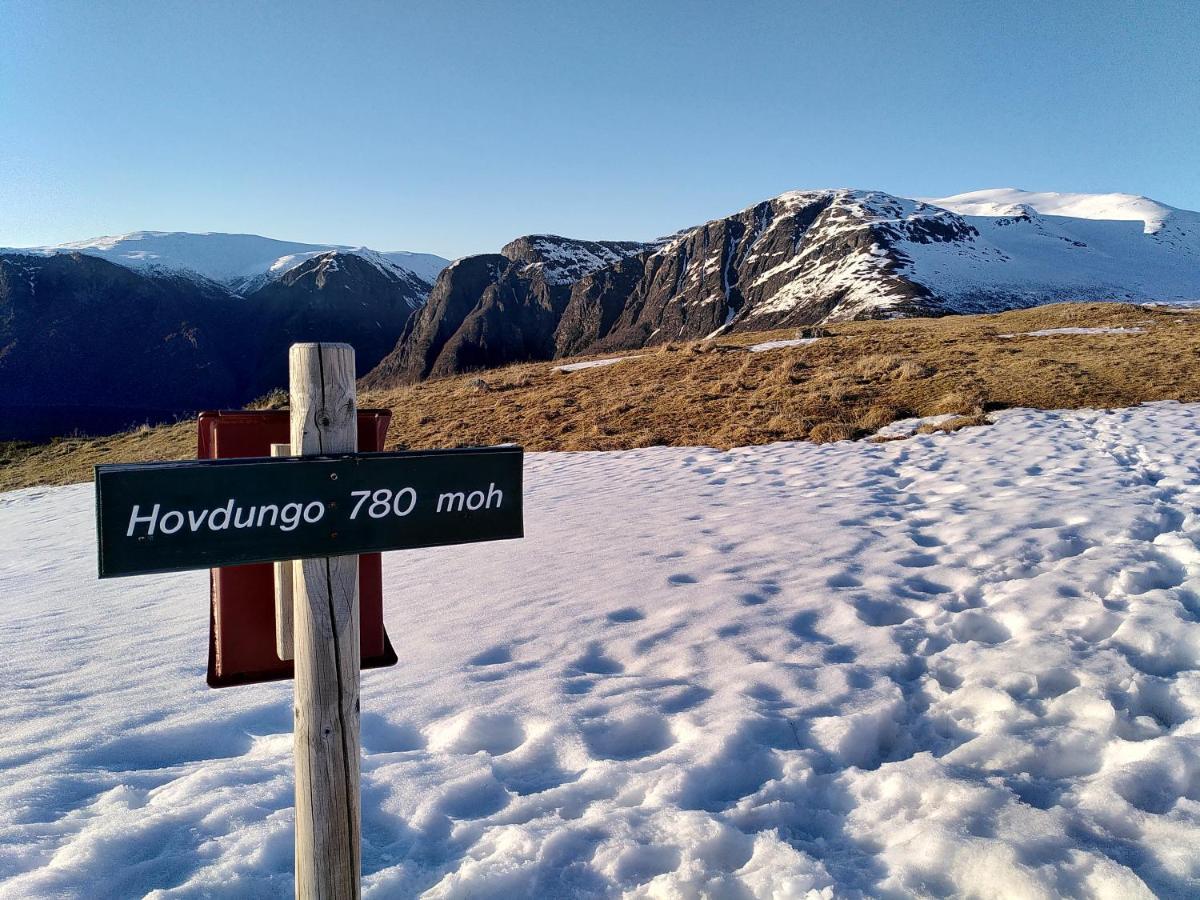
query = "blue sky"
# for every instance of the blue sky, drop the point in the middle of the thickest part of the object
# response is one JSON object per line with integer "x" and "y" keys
{"x": 452, "y": 127}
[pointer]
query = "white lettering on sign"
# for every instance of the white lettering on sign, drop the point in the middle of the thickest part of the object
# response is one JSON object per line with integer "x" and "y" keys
{"x": 453, "y": 501}
{"x": 384, "y": 502}
{"x": 377, "y": 504}
{"x": 135, "y": 519}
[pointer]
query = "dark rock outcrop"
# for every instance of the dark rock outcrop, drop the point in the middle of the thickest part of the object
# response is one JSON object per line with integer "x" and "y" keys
{"x": 88, "y": 345}
{"x": 351, "y": 297}
{"x": 489, "y": 310}
{"x": 797, "y": 259}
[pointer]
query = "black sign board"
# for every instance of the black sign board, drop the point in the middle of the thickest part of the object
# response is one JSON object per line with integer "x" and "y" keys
{"x": 167, "y": 517}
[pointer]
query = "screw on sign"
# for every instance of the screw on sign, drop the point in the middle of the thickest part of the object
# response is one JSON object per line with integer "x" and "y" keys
{"x": 310, "y": 509}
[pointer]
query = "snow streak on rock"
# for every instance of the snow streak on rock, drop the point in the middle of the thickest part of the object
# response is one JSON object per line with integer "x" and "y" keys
{"x": 563, "y": 261}
{"x": 953, "y": 665}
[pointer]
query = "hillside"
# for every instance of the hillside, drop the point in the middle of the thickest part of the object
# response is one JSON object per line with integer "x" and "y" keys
{"x": 857, "y": 378}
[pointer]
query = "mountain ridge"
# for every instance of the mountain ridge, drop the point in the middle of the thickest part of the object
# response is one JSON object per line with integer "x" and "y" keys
{"x": 88, "y": 343}
{"x": 237, "y": 261}
{"x": 811, "y": 257}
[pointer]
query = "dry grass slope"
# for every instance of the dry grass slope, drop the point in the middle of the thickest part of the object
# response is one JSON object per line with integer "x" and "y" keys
{"x": 856, "y": 379}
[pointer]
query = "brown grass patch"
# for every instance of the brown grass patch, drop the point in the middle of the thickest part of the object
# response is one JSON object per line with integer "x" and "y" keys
{"x": 856, "y": 379}
{"x": 955, "y": 424}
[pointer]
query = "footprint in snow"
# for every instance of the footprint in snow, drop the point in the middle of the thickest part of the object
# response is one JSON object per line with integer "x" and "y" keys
{"x": 381, "y": 735}
{"x": 682, "y": 701}
{"x": 840, "y": 654}
{"x": 921, "y": 586}
{"x": 576, "y": 687}
{"x": 626, "y": 614}
{"x": 879, "y": 613}
{"x": 976, "y": 626}
{"x": 493, "y": 656}
{"x": 595, "y": 662}
{"x": 804, "y": 625}
{"x": 763, "y": 692}
{"x": 634, "y": 737}
{"x": 473, "y": 797}
{"x": 843, "y": 580}
{"x": 473, "y": 732}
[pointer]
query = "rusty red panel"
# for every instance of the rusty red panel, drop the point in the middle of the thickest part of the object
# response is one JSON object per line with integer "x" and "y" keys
{"x": 241, "y": 646}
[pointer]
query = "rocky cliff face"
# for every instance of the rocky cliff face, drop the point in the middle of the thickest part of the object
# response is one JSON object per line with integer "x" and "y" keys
{"x": 797, "y": 259}
{"x": 489, "y": 310}
{"x": 350, "y": 297}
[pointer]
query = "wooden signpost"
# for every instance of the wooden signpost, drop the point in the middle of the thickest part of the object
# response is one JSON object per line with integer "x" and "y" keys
{"x": 310, "y": 510}
{"x": 284, "y": 631}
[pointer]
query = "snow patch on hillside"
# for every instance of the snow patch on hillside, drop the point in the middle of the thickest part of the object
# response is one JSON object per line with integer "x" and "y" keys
{"x": 1047, "y": 332}
{"x": 998, "y": 202}
{"x": 1034, "y": 258}
{"x": 566, "y": 260}
{"x": 960, "y": 665}
{"x": 595, "y": 363}
{"x": 777, "y": 345}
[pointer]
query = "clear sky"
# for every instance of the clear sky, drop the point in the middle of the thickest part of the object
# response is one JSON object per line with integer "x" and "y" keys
{"x": 453, "y": 127}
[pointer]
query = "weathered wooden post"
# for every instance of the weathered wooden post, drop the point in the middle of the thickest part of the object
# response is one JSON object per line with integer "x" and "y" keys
{"x": 311, "y": 517}
{"x": 326, "y": 620}
{"x": 284, "y": 641}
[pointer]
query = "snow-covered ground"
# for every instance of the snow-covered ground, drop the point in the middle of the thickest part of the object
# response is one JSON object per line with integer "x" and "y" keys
{"x": 953, "y": 665}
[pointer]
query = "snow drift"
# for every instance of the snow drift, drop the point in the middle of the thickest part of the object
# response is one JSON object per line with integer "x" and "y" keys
{"x": 952, "y": 665}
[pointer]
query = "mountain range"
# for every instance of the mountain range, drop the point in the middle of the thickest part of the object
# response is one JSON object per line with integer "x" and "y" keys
{"x": 98, "y": 334}
{"x": 801, "y": 258}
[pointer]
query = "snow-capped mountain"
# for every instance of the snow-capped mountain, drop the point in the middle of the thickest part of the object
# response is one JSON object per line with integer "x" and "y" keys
{"x": 1177, "y": 230}
{"x": 1012, "y": 201}
{"x": 101, "y": 334}
{"x": 814, "y": 256}
{"x": 238, "y": 261}
{"x": 806, "y": 257}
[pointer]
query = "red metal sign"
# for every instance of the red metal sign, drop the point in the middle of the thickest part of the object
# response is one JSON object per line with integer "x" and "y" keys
{"x": 241, "y": 645}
